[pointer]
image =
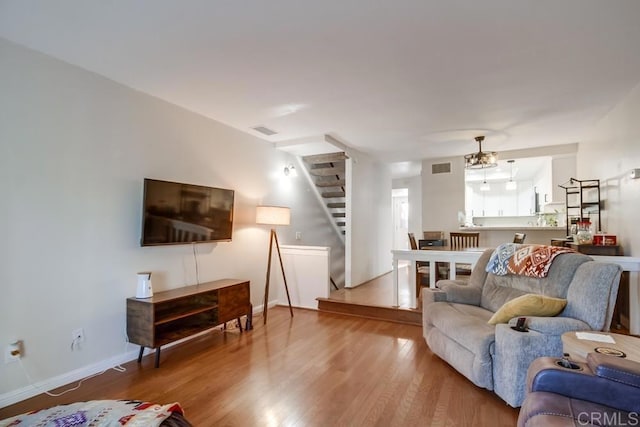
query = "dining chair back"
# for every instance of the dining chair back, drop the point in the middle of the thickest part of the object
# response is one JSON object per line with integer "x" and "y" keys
{"x": 464, "y": 240}
{"x": 519, "y": 238}
{"x": 412, "y": 241}
{"x": 422, "y": 268}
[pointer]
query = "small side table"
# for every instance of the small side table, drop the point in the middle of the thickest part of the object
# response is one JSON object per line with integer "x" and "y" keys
{"x": 611, "y": 250}
{"x": 578, "y": 349}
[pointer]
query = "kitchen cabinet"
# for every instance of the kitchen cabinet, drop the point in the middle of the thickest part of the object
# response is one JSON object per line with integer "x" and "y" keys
{"x": 500, "y": 202}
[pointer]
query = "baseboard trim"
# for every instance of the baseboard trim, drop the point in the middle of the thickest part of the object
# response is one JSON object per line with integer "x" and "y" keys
{"x": 76, "y": 375}
{"x": 40, "y": 387}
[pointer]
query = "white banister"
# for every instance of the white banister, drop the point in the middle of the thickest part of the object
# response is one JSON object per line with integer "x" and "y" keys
{"x": 469, "y": 256}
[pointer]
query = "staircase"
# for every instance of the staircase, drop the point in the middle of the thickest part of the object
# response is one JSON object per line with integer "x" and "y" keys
{"x": 328, "y": 174}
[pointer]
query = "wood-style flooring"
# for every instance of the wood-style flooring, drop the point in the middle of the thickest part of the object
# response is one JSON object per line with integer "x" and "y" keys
{"x": 374, "y": 299}
{"x": 316, "y": 369}
{"x": 377, "y": 292}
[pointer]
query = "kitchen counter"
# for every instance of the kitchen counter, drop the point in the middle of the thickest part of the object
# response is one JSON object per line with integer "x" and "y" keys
{"x": 492, "y": 236}
{"x": 513, "y": 227}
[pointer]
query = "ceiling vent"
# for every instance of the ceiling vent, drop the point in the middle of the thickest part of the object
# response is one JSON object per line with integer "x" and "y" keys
{"x": 264, "y": 130}
{"x": 440, "y": 168}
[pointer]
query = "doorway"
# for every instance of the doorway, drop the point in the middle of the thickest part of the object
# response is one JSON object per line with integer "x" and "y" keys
{"x": 400, "y": 201}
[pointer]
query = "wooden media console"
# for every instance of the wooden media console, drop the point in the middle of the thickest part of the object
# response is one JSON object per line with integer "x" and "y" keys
{"x": 179, "y": 313}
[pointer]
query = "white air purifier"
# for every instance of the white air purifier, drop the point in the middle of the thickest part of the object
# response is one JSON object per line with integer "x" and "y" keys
{"x": 144, "y": 289}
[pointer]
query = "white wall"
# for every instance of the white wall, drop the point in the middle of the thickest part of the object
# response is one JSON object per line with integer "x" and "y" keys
{"x": 442, "y": 195}
{"x": 563, "y": 168}
{"x": 75, "y": 148}
{"x": 369, "y": 219}
{"x": 609, "y": 153}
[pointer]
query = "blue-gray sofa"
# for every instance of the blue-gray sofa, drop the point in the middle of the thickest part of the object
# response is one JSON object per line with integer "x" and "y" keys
{"x": 496, "y": 357}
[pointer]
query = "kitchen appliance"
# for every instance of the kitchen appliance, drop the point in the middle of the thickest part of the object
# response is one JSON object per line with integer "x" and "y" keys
{"x": 144, "y": 289}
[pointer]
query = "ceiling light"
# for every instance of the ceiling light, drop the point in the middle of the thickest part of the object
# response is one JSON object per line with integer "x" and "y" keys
{"x": 481, "y": 160}
{"x": 511, "y": 184}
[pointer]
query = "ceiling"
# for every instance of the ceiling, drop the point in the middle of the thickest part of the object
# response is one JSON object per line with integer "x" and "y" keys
{"x": 401, "y": 80}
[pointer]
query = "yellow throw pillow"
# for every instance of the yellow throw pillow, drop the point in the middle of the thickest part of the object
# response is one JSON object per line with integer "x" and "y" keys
{"x": 528, "y": 305}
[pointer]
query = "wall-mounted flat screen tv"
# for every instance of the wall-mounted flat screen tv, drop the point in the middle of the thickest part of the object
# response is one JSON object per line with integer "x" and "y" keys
{"x": 175, "y": 213}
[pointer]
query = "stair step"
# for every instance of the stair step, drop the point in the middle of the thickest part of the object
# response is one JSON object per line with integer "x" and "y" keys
{"x": 339, "y": 215}
{"x": 330, "y": 171}
{"x": 331, "y": 194}
{"x": 331, "y": 183}
{"x": 341, "y": 223}
{"x": 336, "y": 205}
{"x": 325, "y": 158}
{"x": 399, "y": 315}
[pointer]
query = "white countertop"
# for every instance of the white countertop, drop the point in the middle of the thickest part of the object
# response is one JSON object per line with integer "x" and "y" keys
{"x": 561, "y": 230}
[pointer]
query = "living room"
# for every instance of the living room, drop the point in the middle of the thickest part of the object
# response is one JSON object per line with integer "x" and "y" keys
{"x": 77, "y": 146}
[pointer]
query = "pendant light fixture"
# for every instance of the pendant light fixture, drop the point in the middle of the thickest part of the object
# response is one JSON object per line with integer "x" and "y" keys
{"x": 511, "y": 184}
{"x": 481, "y": 159}
{"x": 485, "y": 185}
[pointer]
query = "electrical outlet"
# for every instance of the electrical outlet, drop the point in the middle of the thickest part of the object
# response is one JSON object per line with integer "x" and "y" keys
{"x": 77, "y": 337}
{"x": 298, "y": 235}
{"x": 13, "y": 352}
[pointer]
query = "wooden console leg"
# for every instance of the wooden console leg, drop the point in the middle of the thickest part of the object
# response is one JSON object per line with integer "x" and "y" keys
{"x": 249, "y": 324}
{"x": 157, "y": 365}
{"x": 239, "y": 323}
{"x": 140, "y": 354}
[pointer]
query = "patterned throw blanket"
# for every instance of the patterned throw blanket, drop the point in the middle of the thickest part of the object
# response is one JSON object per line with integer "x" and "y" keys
{"x": 525, "y": 260}
{"x": 97, "y": 413}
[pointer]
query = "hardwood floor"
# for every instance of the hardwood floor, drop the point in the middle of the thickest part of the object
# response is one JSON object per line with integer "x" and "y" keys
{"x": 374, "y": 299}
{"x": 317, "y": 369}
{"x": 377, "y": 292}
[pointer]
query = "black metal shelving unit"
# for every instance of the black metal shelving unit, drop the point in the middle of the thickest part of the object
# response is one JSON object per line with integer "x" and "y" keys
{"x": 582, "y": 199}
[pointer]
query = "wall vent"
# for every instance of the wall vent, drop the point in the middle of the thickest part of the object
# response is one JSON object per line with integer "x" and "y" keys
{"x": 440, "y": 168}
{"x": 264, "y": 130}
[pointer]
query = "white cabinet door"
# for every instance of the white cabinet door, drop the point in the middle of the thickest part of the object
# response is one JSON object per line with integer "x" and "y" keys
{"x": 526, "y": 199}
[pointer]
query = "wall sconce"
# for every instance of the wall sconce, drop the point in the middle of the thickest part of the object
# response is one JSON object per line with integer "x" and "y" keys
{"x": 290, "y": 170}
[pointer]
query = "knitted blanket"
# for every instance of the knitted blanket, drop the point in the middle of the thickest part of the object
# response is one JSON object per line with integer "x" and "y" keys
{"x": 525, "y": 260}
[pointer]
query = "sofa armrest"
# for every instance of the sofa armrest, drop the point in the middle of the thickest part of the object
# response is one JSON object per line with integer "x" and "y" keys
{"x": 429, "y": 296}
{"x": 584, "y": 383}
{"x": 615, "y": 369}
{"x": 514, "y": 351}
{"x": 553, "y": 325}
{"x": 460, "y": 292}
